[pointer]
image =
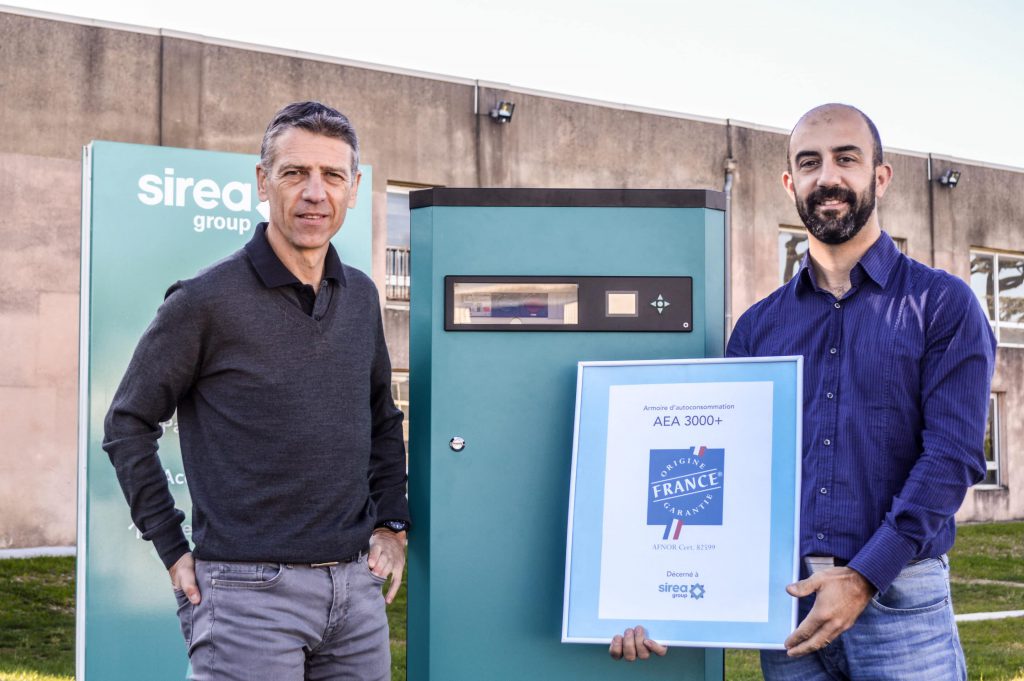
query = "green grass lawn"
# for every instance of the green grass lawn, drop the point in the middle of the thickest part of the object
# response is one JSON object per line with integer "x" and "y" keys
{"x": 37, "y": 620}
{"x": 983, "y": 554}
{"x": 396, "y": 622}
{"x": 987, "y": 597}
{"x": 989, "y": 551}
{"x": 995, "y": 552}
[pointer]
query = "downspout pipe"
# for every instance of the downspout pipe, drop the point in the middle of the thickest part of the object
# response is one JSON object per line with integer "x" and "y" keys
{"x": 931, "y": 210}
{"x": 730, "y": 172}
{"x": 477, "y": 132}
{"x": 730, "y": 168}
{"x": 160, "y": 92}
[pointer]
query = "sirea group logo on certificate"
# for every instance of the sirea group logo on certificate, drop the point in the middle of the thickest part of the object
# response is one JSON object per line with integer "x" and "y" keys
{"x": 685, "y": 487}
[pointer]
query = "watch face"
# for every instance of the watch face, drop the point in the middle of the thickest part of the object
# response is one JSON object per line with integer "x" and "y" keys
{"x": 396, "y": 525}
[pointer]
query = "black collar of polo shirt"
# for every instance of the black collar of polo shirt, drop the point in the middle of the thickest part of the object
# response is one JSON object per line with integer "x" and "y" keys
{"x": 272, "y": 271}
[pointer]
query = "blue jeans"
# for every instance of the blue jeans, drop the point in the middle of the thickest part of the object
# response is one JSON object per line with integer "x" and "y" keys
{"x": 276, "y": 622}
{"x": 906, "y": 633}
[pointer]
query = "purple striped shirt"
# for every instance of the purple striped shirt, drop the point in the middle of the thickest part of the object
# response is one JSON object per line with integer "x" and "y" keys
{"x": 896, "y": 390}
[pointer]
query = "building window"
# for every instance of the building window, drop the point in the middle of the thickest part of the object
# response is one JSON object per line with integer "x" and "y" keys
{"x": 792, "y": 246}
{"x": 398, "y": 215}
{"x": 397, "y": 253}
{"x": 997, "y": 278}
{"x": 397, "y": 278}
{"x": 397, "y": 272}
{"x": 992, "y": 443}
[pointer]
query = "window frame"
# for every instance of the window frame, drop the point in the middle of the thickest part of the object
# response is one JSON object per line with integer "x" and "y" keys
{"x": 994, "y": 321}
{"x": 788, "y": 229}
{"x": 993, "y": 427}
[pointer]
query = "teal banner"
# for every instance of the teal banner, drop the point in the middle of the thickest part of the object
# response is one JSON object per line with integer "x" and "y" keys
{"x": 150, "y": 216}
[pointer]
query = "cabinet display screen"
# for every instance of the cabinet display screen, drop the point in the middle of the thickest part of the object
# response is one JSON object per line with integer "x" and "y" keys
{"x": 516, "y": 303}
{"x": 559, "y": 303}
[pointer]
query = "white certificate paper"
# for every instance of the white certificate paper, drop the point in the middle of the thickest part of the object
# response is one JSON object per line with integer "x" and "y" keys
{"x": 685, "y": 465}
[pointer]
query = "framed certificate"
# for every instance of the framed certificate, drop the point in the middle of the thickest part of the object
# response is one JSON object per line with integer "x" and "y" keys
{"x": 684, "y": 501}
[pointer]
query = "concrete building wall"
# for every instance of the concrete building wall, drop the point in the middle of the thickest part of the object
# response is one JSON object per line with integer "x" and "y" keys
{"x": 39, "y": 262}
{"x": 759, "y": 207}
{"x": 557, "y": 143}
{"x": 64, "y": 84}
{"x": 61, "y": 85}
{"x": 984, "y": 211}
{"x": 903, "y": 211}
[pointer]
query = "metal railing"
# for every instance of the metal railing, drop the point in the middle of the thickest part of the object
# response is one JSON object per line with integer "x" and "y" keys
{"x": 397, "y": 273}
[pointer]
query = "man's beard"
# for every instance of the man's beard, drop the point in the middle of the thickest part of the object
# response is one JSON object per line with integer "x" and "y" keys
{"x": 836, "y": 230}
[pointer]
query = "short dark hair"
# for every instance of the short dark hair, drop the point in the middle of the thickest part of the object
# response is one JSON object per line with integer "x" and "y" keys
{"x": 876, "y": 140}
{"x": 314, "y": 117}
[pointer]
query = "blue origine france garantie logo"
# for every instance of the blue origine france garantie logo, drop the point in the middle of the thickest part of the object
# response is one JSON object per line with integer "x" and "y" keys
{"x": 685, "y": 488}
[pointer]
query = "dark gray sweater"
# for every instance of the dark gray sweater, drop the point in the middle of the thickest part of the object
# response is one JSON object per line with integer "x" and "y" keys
{"x": 291, "y": 442}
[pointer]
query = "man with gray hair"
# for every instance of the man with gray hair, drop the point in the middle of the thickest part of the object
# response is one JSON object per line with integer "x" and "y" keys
{"x": 275, "y": 361}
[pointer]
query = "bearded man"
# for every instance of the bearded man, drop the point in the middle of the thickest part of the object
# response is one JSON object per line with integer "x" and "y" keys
{"x": 898, "y": 360}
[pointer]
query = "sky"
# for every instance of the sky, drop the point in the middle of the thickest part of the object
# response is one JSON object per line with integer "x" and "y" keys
{"x": 942, "y": 76}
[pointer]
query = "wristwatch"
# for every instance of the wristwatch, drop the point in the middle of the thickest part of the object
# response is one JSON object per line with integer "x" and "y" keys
{"x": 394, "y": 525}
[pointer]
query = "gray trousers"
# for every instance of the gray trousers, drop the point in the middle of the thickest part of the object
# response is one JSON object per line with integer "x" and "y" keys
{"x": 279, "y": 622}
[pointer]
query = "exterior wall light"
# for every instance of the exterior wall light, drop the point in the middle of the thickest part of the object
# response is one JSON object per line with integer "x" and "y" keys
{"x": 949, "y": 178}
{"x": 503, "y": 112}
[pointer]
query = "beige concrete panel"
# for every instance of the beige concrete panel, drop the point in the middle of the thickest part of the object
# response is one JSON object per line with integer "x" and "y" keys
{"x": 39, "y": 278}
{"x": 379, "y": 236}
{"x": 984, "y": 209}
{"x": 19, "y": 332}
{"x": 66, "y": 84}
{"x": 903, "y": 211}
{"x": 57, "y": 341}
{"x": 25, "y": 272}
{"x": 411, "y": 129}
{"x": 37, "y": 477}
{"x": 40, "y": 226}
{"x": 65, "y": 434}
{"x": 944, "y": 225}
{"x": 985, "y": 505}
{"x": 41, "y": 199}
{"x": 182, "y": 85}
{"x": 745, "y": 288}
{"x": 559, "y": 143}
{"x": 760, "y": 206}
{"x": 416, "y": 130}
